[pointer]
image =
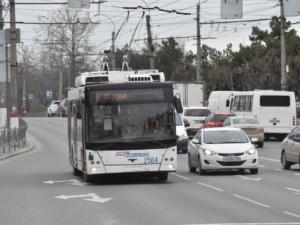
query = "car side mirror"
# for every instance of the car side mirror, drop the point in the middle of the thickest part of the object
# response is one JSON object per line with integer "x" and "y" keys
{"x": 196, "y": 141}
{"x": 254, "y": 140}
{"x": 296, "y": 139}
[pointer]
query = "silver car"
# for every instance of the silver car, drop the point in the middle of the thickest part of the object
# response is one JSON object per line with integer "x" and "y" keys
{"x": 248, "y": 124}
{"x": 222, "y": 148}
{"x": 291, "y": 149}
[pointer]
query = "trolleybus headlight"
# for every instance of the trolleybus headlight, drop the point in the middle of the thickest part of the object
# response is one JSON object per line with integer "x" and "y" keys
{"x": 93, "y": 170}
{"x": 171, "y": 167}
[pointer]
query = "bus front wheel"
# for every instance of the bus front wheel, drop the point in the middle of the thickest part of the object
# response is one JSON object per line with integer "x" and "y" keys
{"x": 163, "y": 176}
{"x": 88, "y": 178}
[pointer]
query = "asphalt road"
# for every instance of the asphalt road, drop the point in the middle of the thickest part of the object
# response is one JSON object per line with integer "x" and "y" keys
{"x": 38, "y": 188}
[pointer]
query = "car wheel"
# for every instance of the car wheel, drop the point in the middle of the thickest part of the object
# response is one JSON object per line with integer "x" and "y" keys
{"x": 191, "y": 169}
{"x": 260, "y": 144}
{"x": 163, "y": 176}
{"x": 76, "y": 172}
{"x": 285, "y": 164}
{"x": 254, "y": 171}
{"x": 200, "y": 170}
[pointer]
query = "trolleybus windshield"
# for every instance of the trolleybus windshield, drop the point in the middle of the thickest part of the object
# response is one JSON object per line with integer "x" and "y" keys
{"x": 129, "y": 116}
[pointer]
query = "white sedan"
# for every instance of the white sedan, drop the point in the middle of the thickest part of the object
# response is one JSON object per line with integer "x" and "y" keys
{"x": 222, "y": 148}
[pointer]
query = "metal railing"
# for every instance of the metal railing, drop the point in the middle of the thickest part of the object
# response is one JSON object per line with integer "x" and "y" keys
{"x": 11, "y": 139}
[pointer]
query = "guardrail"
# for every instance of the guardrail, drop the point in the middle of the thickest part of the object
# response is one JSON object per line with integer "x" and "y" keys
{"x": 11, "y": 139}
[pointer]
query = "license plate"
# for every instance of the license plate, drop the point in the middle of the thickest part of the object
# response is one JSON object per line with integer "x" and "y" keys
{"x": 197, "y": 121}
{"x": 231, "y": 159}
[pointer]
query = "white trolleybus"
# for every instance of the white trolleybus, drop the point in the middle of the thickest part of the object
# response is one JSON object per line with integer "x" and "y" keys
{"x": 122, "y": 122}
{"x": 275, "y": 110}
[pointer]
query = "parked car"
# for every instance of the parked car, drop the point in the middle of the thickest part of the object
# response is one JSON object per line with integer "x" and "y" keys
{"x": 194, "y": 118}
{"x": 290, "y": 153}
{"x": 222, "y": 148}
{"x": 181, "y": 135}
{"x": 216, "y": 119}
{"x": 250, "y": 125}
{"x": 62, "y": 108}
{"x": 52, "y": 108}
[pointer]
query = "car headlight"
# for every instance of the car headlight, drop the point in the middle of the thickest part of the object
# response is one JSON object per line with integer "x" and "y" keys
{"x": 251, "y": 151}
{"x": 208, "y": 152}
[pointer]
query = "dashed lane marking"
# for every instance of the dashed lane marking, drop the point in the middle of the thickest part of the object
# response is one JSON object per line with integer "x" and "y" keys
{"x": 249, "y": 178}
{"x": 269, "y": 159}
{"x": 295, "y": 190}
{"x": 180, "y": 176}
{"x": 252, "y": 201}
{"x": 292, "y": 214}
{"x": 210, "y": 186}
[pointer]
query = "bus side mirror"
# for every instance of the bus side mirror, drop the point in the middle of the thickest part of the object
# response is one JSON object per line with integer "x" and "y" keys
{"x": 227, "y": 103}
{"x": 178, "y": 105}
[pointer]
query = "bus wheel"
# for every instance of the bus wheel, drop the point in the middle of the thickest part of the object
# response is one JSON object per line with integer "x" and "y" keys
{"x": 88, "y": 178}
{"x": 163, "y": 176}
{"x": 76, "y": 172}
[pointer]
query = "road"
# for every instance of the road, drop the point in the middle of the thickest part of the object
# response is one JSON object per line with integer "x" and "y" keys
{"x": 38, "y": 188}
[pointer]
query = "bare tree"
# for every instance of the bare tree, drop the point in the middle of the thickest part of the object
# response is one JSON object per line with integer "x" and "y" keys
{"x": 65, "y": 41}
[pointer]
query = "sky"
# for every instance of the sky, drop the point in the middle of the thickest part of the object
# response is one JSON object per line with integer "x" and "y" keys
{"x": 164, "y": 24}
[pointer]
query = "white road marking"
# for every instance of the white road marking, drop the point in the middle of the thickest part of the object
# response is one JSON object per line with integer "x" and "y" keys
{"x": 261, "y": 166}
{"x": 92, "y": 197}
{"x": 70, "y": 182}
{"x": 292, "y": 214}
{"x": 297, "y": 191}
{"x": 297, "y": 174}
{"x": 269, "y": 159}
{"x": 180, "y": 176}
{"x": 249, "y": 178}
{"x": 291, "y": 223}
{"x": 252, "y": 201}
{"x": 210, "y": 186}
{"x": 279, "y": 170}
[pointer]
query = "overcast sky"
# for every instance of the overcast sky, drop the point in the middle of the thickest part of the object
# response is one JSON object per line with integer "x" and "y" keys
{"x": 163, "y": 24}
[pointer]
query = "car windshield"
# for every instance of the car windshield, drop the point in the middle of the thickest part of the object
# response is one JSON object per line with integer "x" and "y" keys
{"x": 196, "y": 112}
{"x": 221, "y": 117}
{"x": 178, "y": 119}
{"x": 244, "y": 121}
{"x": 129, "y": 122}
{"x": 224, "y": 137}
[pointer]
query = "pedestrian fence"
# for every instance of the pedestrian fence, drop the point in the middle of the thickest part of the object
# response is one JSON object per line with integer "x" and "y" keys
{"x": 12, "y": 139}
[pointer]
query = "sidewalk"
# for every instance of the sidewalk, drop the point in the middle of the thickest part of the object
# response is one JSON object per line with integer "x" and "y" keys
{"x": 5, "y": 154}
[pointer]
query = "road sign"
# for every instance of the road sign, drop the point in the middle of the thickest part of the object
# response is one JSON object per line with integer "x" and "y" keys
{"x": 231, "y": 9}
{"x": 30, "y": 97}
{"x": 92, "y": 197}
{"x": 49, "y": 95}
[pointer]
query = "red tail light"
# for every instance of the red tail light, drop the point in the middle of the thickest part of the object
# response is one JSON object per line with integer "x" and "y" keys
{"x": 186, "y": 122}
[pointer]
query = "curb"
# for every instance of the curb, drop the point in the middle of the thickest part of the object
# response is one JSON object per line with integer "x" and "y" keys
{"x": 27, "y": 149}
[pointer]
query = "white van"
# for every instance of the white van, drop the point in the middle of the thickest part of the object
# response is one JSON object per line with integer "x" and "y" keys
{"x": 219, "y": 101}
{"x": 275, "y": 110}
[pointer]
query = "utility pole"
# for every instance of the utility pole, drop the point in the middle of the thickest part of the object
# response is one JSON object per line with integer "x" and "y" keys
{"x": 113, "y": 56}
{"x": 13, "y": 54}
{"x": 150, "y": 44}
{"x": 199, "y": 76}
{"x": 1, "y": 16}
{"x": 60, "y": 84}
{"x": 283, "y": 48}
